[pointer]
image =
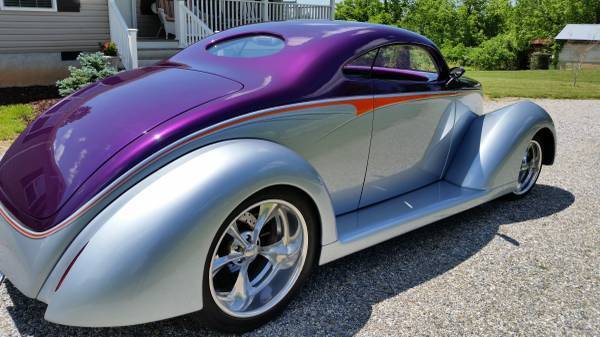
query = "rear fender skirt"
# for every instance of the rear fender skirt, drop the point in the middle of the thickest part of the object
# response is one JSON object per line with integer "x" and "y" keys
{"x": 490, "y": 152}
{"x": 144, "y": 253}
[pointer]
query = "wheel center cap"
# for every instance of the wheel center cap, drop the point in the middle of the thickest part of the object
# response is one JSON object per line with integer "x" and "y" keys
{"x": 251, "y": 251}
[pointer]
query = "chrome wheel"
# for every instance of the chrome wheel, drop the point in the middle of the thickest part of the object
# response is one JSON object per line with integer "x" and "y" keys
{"x": 259, "y": 258}
{"x": 531, "y": 165}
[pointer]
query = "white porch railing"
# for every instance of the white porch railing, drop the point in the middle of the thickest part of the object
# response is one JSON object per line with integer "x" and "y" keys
{"x": 190, "y": 29}
{"x": 124, "y": 37}
{"x": 218, "y": 15}
{"x": 197, "y": 19}
{"x": 281, "y": 11}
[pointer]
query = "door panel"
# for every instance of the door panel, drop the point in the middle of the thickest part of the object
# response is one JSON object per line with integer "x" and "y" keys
{"x": 335, "y": 140}
{"x": 409, "y": 147}
{"x": 412, "y": 124}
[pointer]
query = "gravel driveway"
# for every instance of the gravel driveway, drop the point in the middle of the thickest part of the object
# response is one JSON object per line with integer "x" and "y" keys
{"x": 528, "y": 267}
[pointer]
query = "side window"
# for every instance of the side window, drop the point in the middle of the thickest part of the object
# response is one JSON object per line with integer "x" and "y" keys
{"x": 361, "y": 66}
{"x": 407, "y": 58}
{"x": 365, "y": 60}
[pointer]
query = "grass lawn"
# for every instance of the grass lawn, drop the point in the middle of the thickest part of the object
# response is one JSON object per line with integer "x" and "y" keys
{"x": 539, "y": 83}
{"x": 14, "y": 119}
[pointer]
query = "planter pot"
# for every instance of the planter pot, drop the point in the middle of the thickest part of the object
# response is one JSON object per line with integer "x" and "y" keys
{"x": 113, "y": 61}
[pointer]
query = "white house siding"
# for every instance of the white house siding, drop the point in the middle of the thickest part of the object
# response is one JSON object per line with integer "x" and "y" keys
{"x": 30, "y": 31}
{"x": 31, "y": 42}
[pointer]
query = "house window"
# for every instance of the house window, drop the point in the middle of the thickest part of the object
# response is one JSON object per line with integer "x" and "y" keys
{"x": 28, "y": 5}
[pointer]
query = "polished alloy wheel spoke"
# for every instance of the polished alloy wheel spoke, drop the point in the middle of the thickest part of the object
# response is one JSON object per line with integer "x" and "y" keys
{"x": 281, "y": 255}
{"x": 536, "y": 159}
{"x": 265, "y": 214}
{"x": 222, "y": 261}
{"x": 234, "y": 232}
{"x": 242, "y": 294}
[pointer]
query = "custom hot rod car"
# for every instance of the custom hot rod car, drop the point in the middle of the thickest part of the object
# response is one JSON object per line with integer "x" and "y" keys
{"x": 214, "y": 181}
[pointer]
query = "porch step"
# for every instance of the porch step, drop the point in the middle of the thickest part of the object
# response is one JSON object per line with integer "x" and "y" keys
{"x": 151, "y": 51}
{"x": 156, "y": 54}
{"x": 145, "y": 63}
{"x": 157, "y": 44}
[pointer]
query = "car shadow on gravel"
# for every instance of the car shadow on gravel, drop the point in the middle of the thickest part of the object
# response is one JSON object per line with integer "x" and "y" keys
{"x": 338, "y": 298}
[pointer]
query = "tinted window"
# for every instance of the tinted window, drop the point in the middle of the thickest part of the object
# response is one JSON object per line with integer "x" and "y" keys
{"x": 365, "y": 60}
{"x": 248, "y": 46}
{"x": 406, "y": 57}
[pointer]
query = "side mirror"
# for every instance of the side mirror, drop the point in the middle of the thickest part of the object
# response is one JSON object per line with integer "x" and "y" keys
{"x": 455, "y": 74}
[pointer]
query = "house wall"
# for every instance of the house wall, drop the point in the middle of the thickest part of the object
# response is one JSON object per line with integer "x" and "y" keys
{"x": 30, "y": 31}
{"x": 27, "y": 69}
{"x": 31, "y": 42}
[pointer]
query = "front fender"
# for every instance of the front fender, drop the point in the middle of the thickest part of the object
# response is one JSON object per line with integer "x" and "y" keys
{"x": 490, "y": 153}
{"x": 142, "y": 258}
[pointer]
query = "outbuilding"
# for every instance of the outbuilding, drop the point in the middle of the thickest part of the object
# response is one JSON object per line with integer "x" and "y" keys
{"x": 581, "y": 45}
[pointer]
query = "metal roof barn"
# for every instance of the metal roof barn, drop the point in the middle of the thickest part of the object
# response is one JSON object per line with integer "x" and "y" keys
{"x": 582, "y": 45}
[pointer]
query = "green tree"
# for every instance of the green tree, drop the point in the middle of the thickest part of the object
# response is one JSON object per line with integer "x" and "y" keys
{"x": 358, "y": 10}
{"x": 435, "y": 19}
{"x": 469, "y": 31}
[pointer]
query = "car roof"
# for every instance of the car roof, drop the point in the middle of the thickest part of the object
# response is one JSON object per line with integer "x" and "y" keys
{"x": 310, "y": 62}
{"x": 341, "y": 32}
{"x": 318, "y": 40}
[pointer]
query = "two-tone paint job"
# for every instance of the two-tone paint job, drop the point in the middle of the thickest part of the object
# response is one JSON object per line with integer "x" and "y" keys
{"x": 70, "y": 156}
{"x": 109, "y": 201}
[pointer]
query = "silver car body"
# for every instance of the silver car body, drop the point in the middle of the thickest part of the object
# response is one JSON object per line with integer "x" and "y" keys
{"x": 137, "y": 253}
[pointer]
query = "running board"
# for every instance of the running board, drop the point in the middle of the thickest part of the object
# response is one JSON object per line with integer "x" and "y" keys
{"x": 380, "y": 222}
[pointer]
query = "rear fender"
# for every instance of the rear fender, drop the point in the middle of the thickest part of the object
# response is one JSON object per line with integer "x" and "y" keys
{"x": 490, "y": 152}
{"x": 142, "y": 258}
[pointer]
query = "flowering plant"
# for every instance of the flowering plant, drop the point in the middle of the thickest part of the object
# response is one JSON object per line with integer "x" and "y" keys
{"x": 108, "y": 48}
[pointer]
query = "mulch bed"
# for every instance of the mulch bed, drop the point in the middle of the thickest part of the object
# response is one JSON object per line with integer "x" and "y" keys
{"x": 27, "y": 94}
{"x": 41, "y": 98}
{"x": 43, "y": 105}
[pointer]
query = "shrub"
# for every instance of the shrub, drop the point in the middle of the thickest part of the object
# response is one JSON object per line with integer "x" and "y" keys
{"x": 539, "y": 60}
{"x": 109, "y": 48}
{"x": 94, "y": 67}
{"x": 455, "y": 54}
{"x": 497, "y": 53}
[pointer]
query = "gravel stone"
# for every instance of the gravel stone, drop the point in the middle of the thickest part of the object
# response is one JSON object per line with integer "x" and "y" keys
{"x": 527, "y": 267}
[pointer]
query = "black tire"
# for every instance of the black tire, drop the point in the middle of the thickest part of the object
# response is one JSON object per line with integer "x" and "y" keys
{"x": 517, "y": 196}
{"x": 211, "y": 314}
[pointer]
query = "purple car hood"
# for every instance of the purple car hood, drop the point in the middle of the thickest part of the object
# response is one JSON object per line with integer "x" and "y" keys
{"x": 55, "y": 155}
